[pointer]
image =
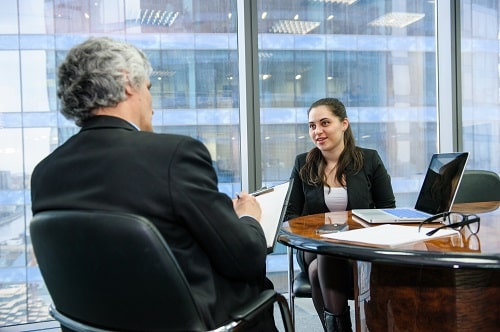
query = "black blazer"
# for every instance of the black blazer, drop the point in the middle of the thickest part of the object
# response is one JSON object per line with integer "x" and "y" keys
{"x": 110, "y": 165}
{"x": 369, "y": 188}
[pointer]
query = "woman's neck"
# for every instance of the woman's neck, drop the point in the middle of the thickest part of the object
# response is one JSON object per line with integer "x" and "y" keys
{"x": 332, "y": 157}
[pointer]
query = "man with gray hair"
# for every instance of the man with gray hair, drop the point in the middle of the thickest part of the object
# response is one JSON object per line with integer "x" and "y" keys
{"x": 116, "y": 163}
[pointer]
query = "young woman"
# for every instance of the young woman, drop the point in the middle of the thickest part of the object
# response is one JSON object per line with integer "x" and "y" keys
{"x": 335, "y": 175}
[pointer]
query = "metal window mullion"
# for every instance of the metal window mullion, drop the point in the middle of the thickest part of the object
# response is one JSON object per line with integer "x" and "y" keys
{"x": 448, "y": 76}
{"x": 251, "y": 175}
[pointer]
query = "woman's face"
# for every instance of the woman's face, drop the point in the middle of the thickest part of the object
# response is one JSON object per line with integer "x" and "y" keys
{"x": 326, "y": 130}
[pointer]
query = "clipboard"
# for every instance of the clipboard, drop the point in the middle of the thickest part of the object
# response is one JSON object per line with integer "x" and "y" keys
{"x": 273, "y": 202}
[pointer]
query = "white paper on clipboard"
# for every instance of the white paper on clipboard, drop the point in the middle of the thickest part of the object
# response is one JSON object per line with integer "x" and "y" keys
{"x": 273, "y": 205}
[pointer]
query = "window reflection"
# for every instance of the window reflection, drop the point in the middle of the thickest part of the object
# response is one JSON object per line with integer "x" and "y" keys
{"x": 378, "y": 57}
{"x": 480, "y": 82}
{"x": 195, "y": 92}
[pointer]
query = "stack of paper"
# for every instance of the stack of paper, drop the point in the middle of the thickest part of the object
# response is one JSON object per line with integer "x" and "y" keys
{"x": 388, "y": 235}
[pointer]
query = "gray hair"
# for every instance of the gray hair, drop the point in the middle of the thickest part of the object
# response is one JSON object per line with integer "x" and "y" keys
{"x": 94, "y": 74}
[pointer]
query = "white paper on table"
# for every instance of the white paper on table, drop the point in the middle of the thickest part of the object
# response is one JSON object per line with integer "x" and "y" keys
{"x": 388, "y": 235}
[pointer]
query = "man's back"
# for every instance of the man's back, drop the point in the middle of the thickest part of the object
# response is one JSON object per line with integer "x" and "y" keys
{"x": 169, "y": 179}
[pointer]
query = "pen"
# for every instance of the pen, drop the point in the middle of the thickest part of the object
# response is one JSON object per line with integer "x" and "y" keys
{"x": 263, "y": 190}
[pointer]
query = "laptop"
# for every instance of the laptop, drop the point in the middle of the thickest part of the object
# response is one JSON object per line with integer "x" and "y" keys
{"x": 436, "y": 195}
{"x": 273, "y": 202}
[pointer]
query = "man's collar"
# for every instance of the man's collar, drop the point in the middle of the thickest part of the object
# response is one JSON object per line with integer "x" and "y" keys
{"x": 106, "y": 121}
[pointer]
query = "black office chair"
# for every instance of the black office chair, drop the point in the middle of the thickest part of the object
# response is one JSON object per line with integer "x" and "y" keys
{"x": 478, "y": 186}
{"x": 114, "y": 272}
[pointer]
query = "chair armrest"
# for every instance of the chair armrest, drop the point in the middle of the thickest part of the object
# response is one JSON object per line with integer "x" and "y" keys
{"x": 70, "y": 323}
{"x": 254, "y": 307}
{"x": 265, "y": 301}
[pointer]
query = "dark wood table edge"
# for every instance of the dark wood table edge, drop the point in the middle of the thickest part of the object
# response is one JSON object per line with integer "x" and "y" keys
{"x": 391, "y": 255}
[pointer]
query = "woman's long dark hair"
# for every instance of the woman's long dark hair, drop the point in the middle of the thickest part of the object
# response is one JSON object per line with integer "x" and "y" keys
{"x": 313, "y": 171}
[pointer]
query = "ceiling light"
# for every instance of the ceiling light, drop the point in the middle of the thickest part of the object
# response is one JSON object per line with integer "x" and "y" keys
{"x": 396, "y": 20}
{"x": 265, "y": 54}
{"x": 293, "y": 27}
{"x": 157, "y": 17}
{"x": 160, "y": 74}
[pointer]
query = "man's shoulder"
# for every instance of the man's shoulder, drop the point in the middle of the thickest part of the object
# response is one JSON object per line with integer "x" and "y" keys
{"x": 172, "y": 142}
{"x": 169, "y": 137}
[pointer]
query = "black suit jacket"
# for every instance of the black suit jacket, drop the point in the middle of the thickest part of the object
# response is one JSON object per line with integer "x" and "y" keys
{"x": 110, "y": 165}
{"x": 369, "y": 188}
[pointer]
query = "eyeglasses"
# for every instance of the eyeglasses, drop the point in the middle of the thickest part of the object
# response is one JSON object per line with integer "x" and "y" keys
{"x": 456, "y": 220}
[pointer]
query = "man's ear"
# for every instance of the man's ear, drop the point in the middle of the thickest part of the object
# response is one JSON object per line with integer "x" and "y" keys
{"x": 128, "y": 89}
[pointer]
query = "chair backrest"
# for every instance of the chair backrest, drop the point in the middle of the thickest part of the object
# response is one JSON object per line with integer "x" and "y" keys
{"x": 478, "y": 186}
{"x": 112, "y": 271}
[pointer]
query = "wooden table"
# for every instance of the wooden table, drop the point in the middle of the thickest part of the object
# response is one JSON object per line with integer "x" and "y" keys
{"x": 444, "y": 284}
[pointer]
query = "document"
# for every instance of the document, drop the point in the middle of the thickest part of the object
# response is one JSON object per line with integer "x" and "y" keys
{"x": 388, "y": 235}
{"x": 273, "y": 204}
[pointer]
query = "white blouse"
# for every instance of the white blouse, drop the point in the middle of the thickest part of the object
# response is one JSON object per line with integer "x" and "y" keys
{"x": 336, "y": 198}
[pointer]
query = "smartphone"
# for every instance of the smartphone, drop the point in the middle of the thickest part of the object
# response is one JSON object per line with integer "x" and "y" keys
{"x": 332, "y": 228}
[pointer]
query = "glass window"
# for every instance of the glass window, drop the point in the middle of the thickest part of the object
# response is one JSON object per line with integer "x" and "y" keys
{"x": 378, "y": 57}
{"x": 481, "y": 83}
{"x": 10, "y": 80}
{"x": 194, "y": 86}
{"x": 8, "y": 23}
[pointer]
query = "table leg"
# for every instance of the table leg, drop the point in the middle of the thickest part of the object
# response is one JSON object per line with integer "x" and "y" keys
{"x": 291, "y": 277}
{"x": 361, "y": 293}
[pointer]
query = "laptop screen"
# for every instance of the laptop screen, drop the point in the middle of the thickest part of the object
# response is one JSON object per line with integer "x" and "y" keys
{"x": 441, "y": 182}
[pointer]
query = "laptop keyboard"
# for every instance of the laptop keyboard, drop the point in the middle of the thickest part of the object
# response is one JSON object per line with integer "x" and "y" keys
{"x": 407, "y": 213}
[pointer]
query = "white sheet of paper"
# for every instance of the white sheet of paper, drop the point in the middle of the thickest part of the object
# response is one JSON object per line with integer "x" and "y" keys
{"x": 272, "y": 204}
{"x": 388, "y": 235}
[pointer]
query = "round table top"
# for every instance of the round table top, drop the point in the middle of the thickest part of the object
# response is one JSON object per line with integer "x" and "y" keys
{"x": 461, "y": 250}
